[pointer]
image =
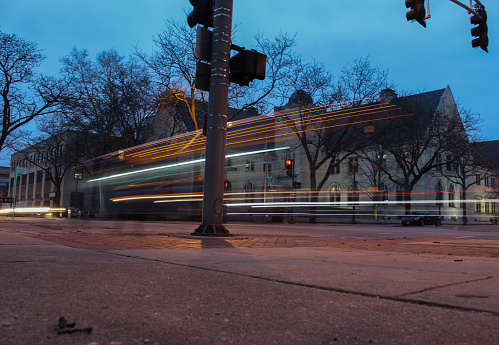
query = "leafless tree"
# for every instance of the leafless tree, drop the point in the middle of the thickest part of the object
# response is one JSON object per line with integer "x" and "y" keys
{"x": 174, "y": 65}
{"x": 361, "y": 83}
{"x": 415, "y": 138}
{"x": 327, "y": 137}
{"x": 467, "y": 164}
{"x": 110, "y": 101}
{"x": 55, "y": 149}
{"x": 26, "y": 94}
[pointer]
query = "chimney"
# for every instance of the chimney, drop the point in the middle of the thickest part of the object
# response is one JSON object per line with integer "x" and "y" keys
{"x": 387, "y": 95}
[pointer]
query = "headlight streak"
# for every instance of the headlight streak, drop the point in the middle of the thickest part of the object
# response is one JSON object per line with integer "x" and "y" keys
{"x": 32, "y": 210}
{"x": 169, "y": 166}
{"x": 351, "y": 203}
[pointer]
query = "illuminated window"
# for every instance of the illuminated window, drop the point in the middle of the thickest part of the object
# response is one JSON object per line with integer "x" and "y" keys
{"x": 335, "y": 193}
{"x": 250, "y": 166}
{"x": 478, "y": 204}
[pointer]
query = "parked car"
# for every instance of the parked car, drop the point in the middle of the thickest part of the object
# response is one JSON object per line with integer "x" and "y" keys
{"x": 422, "y": 218}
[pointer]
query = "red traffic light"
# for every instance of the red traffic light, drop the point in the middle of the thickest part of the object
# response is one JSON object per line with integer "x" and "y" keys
{"x": 288, "y": 165}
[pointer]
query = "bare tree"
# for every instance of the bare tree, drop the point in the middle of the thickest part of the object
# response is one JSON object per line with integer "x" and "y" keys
{"x": 55, "y": 149}
{"x": 110, "y": 102}
{"x": 325, "y": 136}
{"x": 468, "y": 162}
{"x": 360, "y": 82}
{"x": 174, "y": 65}
{"x": 25, "y": 93}
{"x": 416, "y": 137}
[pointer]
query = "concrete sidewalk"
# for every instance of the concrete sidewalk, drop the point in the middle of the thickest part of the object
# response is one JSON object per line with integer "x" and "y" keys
{"x": 215, "y": 292}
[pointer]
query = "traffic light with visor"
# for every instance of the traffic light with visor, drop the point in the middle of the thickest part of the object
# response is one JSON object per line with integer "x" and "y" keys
{"x": 288, "y": 165}
{"x": 246, "y": 66}
{"x": 202, "y": 13}
{"x": 417, "y": 11}
{"x": 480, "y": 31}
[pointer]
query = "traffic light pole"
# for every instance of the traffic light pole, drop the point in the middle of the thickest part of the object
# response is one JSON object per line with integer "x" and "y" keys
{"x": 217, "y": 122}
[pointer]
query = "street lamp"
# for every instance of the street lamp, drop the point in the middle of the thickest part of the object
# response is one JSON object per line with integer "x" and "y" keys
{"x": 355, "y": 165}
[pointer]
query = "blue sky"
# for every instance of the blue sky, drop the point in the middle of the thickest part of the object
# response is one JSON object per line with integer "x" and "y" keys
{"x": 330, "y": 31}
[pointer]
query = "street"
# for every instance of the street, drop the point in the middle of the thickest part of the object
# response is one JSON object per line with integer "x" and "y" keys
{"x": 154, "y": 283}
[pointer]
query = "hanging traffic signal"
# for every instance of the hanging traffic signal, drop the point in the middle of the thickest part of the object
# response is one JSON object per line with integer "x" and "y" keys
{"x": 246, "y": 66}
{"x": 297, "y": 185}
{"x": 201, "y": 14}
{"x": 417, "y": 11}
{"x": 203, "y": 58}
{"x": 480, "y": 31}
{"x": 288, "y": 165}
{"x": 227, "y": 185}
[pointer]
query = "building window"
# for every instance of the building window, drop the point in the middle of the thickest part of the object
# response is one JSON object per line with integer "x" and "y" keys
{"x": 399, "y": 191}
{"x": 486, "y": 181}
{"x": 487, "y": 207}
{"x": 249, "y": 192}
{"x": 439, "y": 162}
{"x": 478, "y": 204}
{"x": 478, "y": 179}
{"x": 250, "y": 166}
{"x": 335, "y": 193}
{"x": 267, "y": 167}
{"x": 337, "y": 167}
{"x": 452, "y": 196}
{"x": 449, "y": 163}
{"x": 39, "y": 176}
{"x": 439, "y": 193}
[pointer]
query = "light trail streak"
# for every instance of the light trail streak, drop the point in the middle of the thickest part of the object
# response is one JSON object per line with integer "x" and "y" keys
{"x": 356, "y": 203}
{"x": 31, "y": 210}
{"x": 169, "y": 166}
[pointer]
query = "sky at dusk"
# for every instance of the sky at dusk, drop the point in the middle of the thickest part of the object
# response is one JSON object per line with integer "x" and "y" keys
{"x": 330, "y": 31}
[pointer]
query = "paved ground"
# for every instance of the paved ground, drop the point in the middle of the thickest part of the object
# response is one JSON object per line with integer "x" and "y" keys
{"x": 153, "y": 283}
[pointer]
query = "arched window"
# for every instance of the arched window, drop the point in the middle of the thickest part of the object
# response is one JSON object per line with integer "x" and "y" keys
{"x": 335, "y": 193}
{"x": 249, "y": 191}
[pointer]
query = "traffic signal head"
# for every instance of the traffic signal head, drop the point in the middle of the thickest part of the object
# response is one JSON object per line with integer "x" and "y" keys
{"x": 203, "y": 58}
{"x": 202, "y": 13}
{"x": 288, "y": 165}
{"x": 480, "y": 31}
{"x": 227, "y": 185}
{"x": 246, "y": 66}
{"x": 417, "y": 11}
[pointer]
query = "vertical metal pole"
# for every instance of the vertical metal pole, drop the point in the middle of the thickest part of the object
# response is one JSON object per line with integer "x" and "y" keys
{"x": 217, "y": 122}
{"x": 15, "y": 197}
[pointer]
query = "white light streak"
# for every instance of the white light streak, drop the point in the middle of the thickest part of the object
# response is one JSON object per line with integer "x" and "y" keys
{"x": 168, "y": 166}
{"x": 352, "y": 203}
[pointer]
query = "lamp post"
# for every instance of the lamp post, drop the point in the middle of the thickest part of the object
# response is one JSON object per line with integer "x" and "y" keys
{"x": 354, "y": 189}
